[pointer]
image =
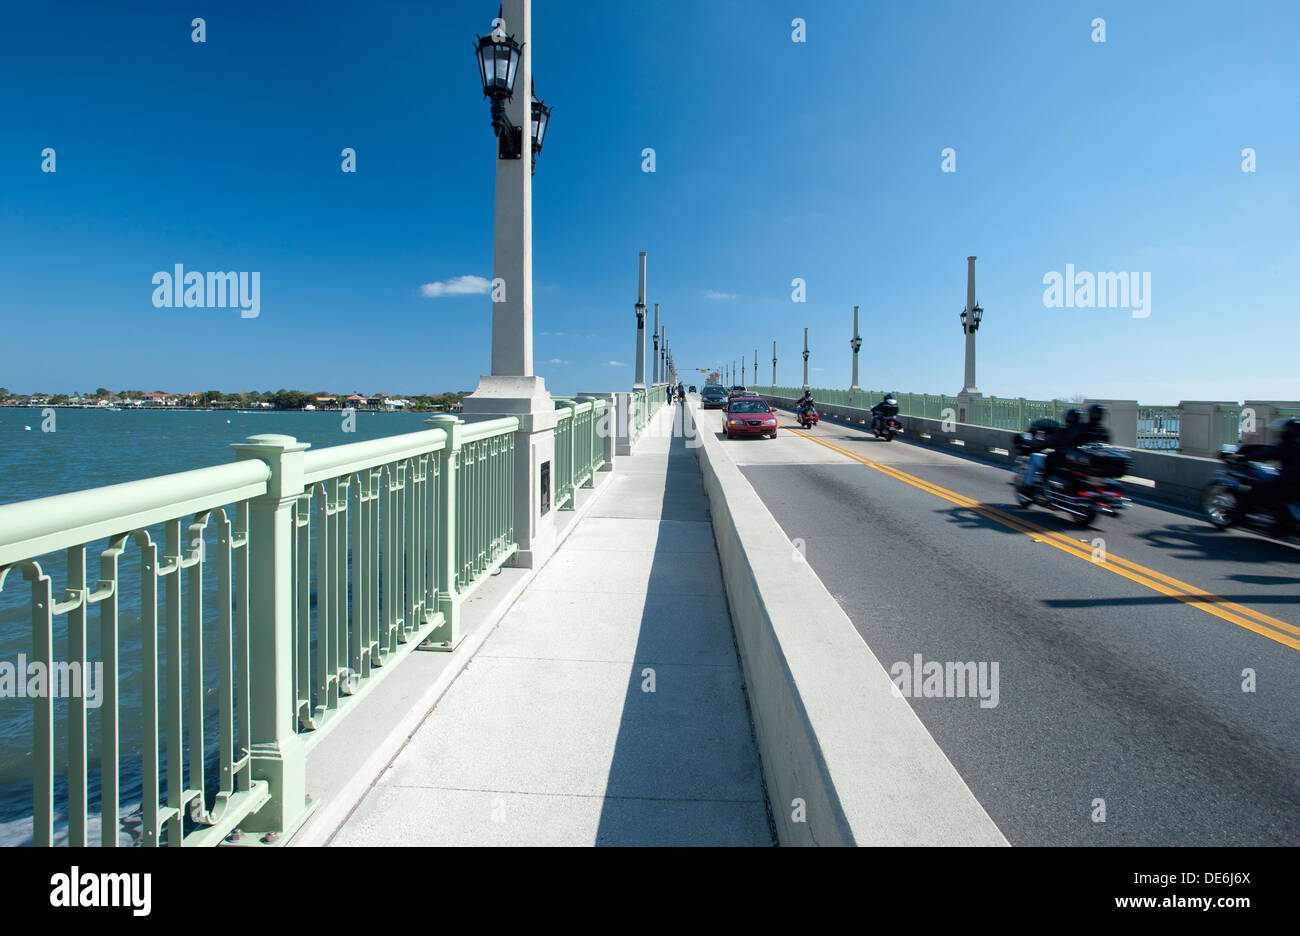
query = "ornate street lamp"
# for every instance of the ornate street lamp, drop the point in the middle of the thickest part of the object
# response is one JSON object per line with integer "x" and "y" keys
{"x": 541, "y": 117}
{"x": 498, "y": 61}
{"x": 970, "y": 322}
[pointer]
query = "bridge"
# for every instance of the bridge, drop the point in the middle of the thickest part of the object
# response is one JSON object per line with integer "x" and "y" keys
{"x": 818, "y": 639}
{"x": 593, "y": 619}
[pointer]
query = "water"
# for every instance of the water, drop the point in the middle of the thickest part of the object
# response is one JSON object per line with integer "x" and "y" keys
{"x": 92, "y": 448}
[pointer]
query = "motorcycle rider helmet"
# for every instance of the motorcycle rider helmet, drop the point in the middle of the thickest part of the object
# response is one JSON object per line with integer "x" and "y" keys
{"x": 1096, "y": 413}
{"x": 1072, "y": 417}
{"x": 1288, "y": 430}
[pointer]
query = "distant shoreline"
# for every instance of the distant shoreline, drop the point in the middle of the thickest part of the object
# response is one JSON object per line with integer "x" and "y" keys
{"x": 221, "y": 409}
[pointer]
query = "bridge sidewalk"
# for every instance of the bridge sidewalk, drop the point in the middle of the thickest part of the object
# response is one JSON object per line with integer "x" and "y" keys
{"x": 608, "y": 706}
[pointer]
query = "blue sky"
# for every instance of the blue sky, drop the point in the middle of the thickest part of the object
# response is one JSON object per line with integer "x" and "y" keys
{"x": 774, "y": 159}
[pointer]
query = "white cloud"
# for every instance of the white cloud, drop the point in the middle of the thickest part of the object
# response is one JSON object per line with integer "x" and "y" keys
{"x": 617, "y": 364}
{"x": 457, "y": 286}
{"x": 719, "y": 296}
{"x": 556, "y": 360}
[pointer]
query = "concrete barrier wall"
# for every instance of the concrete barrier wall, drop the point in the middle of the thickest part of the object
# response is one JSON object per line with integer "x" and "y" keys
{"x": 845, "y": 759}
{"x": 1164, "y": 477}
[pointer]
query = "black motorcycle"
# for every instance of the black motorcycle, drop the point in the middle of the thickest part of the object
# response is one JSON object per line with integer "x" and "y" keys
{"x": 1227, "y": 499}
{"x": 1083, "y": 487}
{"x": 886, "y": 427}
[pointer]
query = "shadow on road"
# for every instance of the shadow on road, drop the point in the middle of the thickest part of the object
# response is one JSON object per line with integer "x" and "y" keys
{"x": 1205, "y": 542}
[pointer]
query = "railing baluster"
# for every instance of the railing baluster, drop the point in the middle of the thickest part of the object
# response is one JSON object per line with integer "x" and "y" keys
{"x": 42, "y": 708}
{"x": 149, "y": 720}
{"x": 110, "y": 757}
{"x": 194, "y": 669}
{"x": 78, "y": 804}
{"x": 225, "y": 655}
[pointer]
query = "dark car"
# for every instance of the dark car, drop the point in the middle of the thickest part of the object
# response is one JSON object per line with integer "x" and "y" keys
{"x": 713, "y": 397}
{"x": 749, "y": 416}
{"x": 691, "y": 388}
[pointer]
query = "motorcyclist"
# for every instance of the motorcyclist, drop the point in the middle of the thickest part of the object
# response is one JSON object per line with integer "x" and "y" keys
{"x": 885, "y": 409}
{"x": 1285, "y": 487}
{"x": 805, "y": 402}
{"x": 1094, "y": 430}
{"x": 681, "y": 393}
{"x": 1058, "y": 441}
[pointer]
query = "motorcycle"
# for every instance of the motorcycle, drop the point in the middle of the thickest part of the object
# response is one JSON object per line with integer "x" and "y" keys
{"x": 1083, "y": 488}
{"x": 807, "y": 416}
{"x": 886, "y": 427}
{"x": 1227, "y": 503}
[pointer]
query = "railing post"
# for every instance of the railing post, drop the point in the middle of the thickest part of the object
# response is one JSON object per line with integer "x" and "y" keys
{"x": 447, "y": 635}
{"x": 572, "y": 407}
{"x": 605, "y": 426}
{"x": 277, "y": 753}
{"x": 624, "y": 422}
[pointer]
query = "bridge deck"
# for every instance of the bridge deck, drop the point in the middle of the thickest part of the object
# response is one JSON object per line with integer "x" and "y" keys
{"x": 551, "y": 735}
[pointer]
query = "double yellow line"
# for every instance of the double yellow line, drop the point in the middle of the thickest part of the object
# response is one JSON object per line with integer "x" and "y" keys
{"x": 1240, "y": 615}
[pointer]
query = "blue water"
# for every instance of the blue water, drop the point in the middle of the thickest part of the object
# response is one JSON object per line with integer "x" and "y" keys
{"x": 90, "y": 448}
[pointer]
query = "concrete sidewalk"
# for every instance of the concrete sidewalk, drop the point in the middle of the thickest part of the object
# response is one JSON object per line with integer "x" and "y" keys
{"x": 607, "y": 708}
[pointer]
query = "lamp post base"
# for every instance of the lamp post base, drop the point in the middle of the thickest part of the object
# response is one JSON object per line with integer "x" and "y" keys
{"x": 526, "y": 399}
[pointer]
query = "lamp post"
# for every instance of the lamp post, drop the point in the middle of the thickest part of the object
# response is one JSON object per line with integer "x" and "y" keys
{"x": 639, "y": 382}
{"x": 855, "y": 344}
{"x": 756, "y": 367}
{"x": 505, "y": 66}
{"x": 805, "y": 359}
{"x": 971, "y": 316}
{"x": 774, "y": 363}
{"x": 656, "y": 338}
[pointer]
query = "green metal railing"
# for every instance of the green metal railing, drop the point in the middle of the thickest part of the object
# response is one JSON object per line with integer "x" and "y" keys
{"x": 579, "y": 448}
{"x": 241, "y": 612}
{"x": 1158, "y": 427}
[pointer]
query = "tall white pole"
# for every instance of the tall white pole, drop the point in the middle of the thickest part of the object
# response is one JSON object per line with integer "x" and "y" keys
{"x": 512, "y": 253}
{"x": 773, "y": 363}
{"x": 656, "y": 340}
{"x": 639, "y": 382}
{"x": 856, "y": 343}
{"x": 805, "y": 359}
{"x": 969, "y": 387}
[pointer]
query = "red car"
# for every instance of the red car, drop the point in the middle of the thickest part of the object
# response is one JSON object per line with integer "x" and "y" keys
{"x": 749, "y": 416}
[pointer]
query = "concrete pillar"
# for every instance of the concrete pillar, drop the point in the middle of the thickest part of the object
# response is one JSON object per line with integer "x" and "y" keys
{"x": 968, "y": 387}
{"x": 805, "y": 359}
{"x": 512, "y": 254}
{"x": 512, "y": 389}
{"x": 1198, "y": 427}
{"x": 1121, "y": 420}
{"x": 657, "y": 372}
{"x": 1257, "y": 416}
{"x": 639, "y": 382}
{"x": 855, "y": 344}
{"x": 663, "y": 349}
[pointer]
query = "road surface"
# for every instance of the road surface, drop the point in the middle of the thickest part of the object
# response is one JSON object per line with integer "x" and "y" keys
{"x": 1122, "y": 674}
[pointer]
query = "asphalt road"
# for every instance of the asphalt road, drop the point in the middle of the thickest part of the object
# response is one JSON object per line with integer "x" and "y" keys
{"x": 1120, "y": 679}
